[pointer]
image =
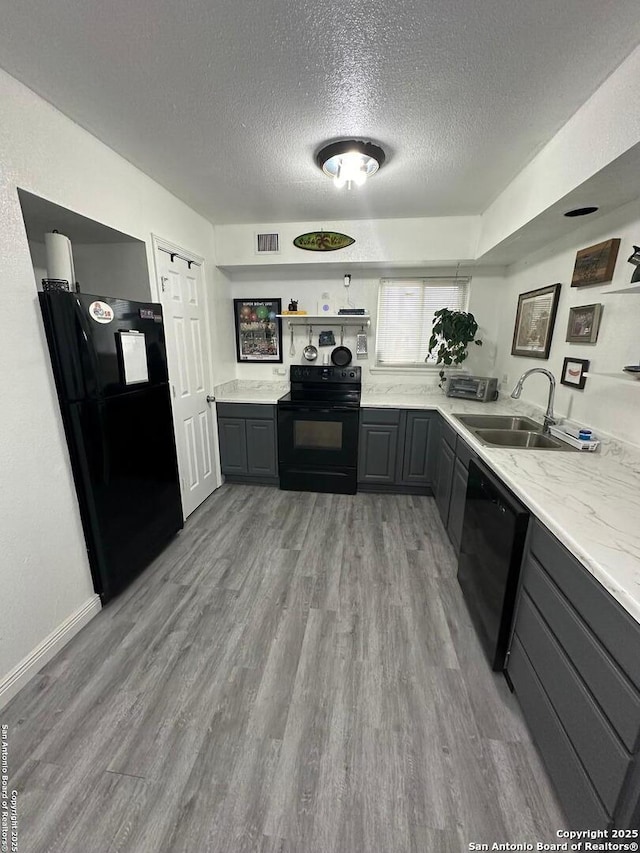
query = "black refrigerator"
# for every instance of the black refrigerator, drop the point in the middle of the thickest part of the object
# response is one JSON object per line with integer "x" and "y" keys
{"x": 110, "y": 366}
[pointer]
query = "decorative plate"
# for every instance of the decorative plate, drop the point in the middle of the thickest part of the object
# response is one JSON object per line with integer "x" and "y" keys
{"x": 323, "y": 241}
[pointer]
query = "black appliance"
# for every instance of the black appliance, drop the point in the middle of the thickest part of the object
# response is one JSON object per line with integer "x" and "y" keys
{"x": 110, "y": 366}
{"x": 493, "y": 534}
{"x": 318, "y": 423}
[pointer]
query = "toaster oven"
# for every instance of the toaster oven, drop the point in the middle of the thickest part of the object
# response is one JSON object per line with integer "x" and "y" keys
{"x": 483, "y": 388}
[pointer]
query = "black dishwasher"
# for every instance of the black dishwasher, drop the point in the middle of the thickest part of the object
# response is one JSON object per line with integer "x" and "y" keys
{"x": 493, "y": 534}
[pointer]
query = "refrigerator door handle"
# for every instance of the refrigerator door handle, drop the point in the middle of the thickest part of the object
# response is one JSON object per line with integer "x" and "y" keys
{"x": 104, "y": 445}
{"x": 86, "y": 336}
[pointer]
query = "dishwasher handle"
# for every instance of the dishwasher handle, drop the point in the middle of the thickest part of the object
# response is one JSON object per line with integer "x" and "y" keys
{"x": 496, "y": 492}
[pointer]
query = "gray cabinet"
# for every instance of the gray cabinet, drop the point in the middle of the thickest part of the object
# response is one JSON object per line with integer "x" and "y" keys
{"x": 456, "y": 503}
{"x": 396, "y": 451}
{"x": 459, "y": 492}
{"x": 574, "y": 662}
{"x": 233, "y": 445}
{"x": 417, "y": 463}
{"x": 261, "y": 447}
{"x": 377, "y": 453}
{"x": 248, "y": 445}
{"x": 451, "y": 481}
{"x": 446, "y": 462}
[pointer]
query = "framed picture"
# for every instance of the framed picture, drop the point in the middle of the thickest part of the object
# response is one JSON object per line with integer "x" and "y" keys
{"x": 258, "y": 330}
{"x": 584, "y": 322}
{"x": 573, "y": 372}
{"x": 595, "y": 264}
{"x": 534, "y": 322}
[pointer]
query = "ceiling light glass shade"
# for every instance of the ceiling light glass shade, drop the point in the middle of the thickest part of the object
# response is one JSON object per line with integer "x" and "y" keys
{"x": 350, "y": 161}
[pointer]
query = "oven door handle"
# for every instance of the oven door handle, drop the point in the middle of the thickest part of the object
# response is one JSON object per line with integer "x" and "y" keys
{"x": 328, "y": 411}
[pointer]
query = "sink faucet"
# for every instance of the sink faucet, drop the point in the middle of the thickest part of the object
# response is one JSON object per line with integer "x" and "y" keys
{"x": 549, "y": 418}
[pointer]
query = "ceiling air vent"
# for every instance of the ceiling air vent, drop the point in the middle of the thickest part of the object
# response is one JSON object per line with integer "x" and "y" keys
{"x": 267, "y": 244}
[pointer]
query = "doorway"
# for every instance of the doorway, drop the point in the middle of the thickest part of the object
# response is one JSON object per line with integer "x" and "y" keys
{"x": 182, "y": 293}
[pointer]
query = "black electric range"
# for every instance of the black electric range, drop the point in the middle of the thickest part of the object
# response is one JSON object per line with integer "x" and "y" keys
{"x": 318, "y": 423}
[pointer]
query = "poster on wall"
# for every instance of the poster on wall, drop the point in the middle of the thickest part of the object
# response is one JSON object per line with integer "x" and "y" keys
{"x": 595, "y": 264}
{"x": 535, "y": 317}
{"x": 258, "y": 330}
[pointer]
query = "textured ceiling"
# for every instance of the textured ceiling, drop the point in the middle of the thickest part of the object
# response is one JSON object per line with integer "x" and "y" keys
{"x": 225, "y": 103}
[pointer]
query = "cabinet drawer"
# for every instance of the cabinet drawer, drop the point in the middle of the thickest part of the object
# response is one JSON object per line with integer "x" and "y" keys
{"x": 615, "y": 694}
{"x": 603, "y": 756}
{"x": 614, "y": 627}
{"x": 464, "y": 453}
{"x": 580, "y": 802}
{"x": 246, "y": 410}
{"x": 380, "y": 416}
{"x": 449, "y": 434}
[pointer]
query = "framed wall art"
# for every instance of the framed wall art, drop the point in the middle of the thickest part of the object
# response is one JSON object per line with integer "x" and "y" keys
{"x": 258, "y": 330}
{"x": 584, "y": 323}
{"x": 535, "y": 318}
{"x": 595, "y": 264}
{"x": 573, "y": 372}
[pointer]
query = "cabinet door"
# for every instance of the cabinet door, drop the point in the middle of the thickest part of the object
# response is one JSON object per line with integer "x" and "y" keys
{"x": 445, "y": 476}
{"x": 261, "y": 447}
{"x": 456, "y": 504}
{"x": 233, "y": 445}
{"x": 377, "y": 453}
{"x": 416, "y": 467}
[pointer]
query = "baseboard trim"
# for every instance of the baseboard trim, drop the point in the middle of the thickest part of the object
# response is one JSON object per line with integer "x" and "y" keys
{"x": 250, "y": 480}
{"x": 44, "y": 651}
{"x": 393, "y": 489}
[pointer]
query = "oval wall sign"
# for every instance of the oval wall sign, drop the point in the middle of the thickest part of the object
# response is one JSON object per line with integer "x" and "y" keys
{"x": 323, "y": 241}
{"x": 101, "y": 312}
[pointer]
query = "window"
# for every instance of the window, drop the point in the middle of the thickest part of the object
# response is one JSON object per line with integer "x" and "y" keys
{"x": 405, "y": 315}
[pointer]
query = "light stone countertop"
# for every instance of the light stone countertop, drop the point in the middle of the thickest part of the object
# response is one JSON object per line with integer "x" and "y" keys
{"x": 251, "y": 395}
{"x": 590, "y": 501}
{"x": 251, "y": 391}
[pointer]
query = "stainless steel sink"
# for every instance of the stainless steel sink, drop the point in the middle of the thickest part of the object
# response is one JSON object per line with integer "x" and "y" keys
{"x": 520, "y": 438}
{"x": 499, "y": 422}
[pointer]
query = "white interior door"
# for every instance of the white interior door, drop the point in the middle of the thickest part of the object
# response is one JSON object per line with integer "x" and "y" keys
{"x": 181, "y": 291}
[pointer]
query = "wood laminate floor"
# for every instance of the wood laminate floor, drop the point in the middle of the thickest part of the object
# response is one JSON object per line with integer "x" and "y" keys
{"x": 296, "y": 672}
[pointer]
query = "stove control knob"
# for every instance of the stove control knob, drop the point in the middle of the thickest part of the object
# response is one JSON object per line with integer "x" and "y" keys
{"x": 352, "y": 375}
{"x": 344, "y": 373}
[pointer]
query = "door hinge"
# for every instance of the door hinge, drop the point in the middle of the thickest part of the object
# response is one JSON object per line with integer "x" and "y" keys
{"x": 173, "y": 391}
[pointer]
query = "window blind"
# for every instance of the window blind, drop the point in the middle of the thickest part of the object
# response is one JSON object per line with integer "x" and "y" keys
{"x": 405, "y": 315}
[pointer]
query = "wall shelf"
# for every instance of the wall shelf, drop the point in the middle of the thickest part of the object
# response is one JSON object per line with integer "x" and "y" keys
{"x": 632, "y": 288}
{"x": 616, "y": 377}
{"x": 326, "y": 319}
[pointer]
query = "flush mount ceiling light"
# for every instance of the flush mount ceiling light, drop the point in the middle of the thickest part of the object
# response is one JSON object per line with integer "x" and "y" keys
{"x": 350, "y": 161}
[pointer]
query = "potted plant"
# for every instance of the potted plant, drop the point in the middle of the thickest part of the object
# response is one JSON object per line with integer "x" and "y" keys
{"x": 451, "y": 334}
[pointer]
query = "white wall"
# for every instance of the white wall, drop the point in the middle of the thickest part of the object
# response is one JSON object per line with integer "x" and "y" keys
{"x": 438, "y": 239}
{"x": 113, "y": 269}
{"x": 602, "y": 130}
{"x": 107, "y": 269}
{"x": 44, "y": 573}
{"x": 611, "y": 407}
{"x": 486, "y": 287}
